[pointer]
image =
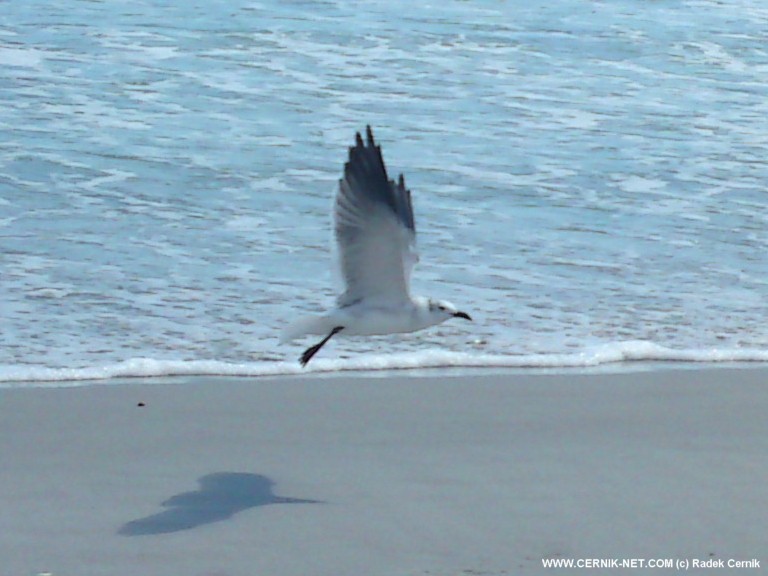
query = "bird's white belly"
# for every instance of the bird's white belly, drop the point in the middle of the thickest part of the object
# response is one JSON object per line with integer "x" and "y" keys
{"x": 367, "y": 322}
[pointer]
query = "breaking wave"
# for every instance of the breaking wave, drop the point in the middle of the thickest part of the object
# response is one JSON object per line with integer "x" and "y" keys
{"x": 622, "y": 352}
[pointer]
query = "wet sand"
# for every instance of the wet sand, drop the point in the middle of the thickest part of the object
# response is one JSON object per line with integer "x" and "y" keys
{"x": 382, "y": 476}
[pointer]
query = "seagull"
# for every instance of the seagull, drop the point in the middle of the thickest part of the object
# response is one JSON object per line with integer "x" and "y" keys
{"x": 376, "y": 238}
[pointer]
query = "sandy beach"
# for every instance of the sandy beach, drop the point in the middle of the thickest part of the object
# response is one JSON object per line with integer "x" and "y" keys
{"x": 383, "y": 476}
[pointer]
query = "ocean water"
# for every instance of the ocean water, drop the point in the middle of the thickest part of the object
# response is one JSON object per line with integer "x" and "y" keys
{"x": 589, "y": 180}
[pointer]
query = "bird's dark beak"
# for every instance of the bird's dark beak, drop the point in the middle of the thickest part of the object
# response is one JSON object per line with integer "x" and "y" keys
{"x": 462, "y": 315}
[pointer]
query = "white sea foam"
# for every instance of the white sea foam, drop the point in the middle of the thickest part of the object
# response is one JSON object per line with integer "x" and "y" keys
{"x": 631, "y": 354}
{"x": 21, "y": 57}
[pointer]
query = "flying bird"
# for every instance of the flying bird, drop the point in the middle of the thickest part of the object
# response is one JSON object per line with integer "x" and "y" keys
{"x": 376, "y": 237}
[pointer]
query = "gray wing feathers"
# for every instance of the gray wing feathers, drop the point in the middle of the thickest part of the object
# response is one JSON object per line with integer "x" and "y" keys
{"x": 366, "y": 177}
{"x": 405, "y": 208}
{"x": 374, "y": 227}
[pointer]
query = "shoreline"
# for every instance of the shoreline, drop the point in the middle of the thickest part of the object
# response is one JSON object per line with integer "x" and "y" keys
{"x": 349, "y": 475}
{"x": 176, "y": 375}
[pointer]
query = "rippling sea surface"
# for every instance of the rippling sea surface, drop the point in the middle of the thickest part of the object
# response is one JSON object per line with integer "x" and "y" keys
{"x": 589, "y": 179}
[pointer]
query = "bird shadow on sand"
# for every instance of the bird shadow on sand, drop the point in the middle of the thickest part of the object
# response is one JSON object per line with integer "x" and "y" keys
{"x": 220, "y": 496}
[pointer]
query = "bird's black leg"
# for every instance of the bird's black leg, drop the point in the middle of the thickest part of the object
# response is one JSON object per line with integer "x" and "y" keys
{"x": 312, "y": 350}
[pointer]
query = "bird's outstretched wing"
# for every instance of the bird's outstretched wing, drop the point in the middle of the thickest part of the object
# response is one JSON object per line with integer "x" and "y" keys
{"x": 374, "y": 227}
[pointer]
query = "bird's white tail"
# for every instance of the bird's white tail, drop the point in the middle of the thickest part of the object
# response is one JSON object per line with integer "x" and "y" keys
{"x": 306, "y": 326}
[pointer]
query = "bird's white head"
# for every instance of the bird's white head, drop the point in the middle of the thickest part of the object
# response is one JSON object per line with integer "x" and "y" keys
{"x": 442, "y": 310}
